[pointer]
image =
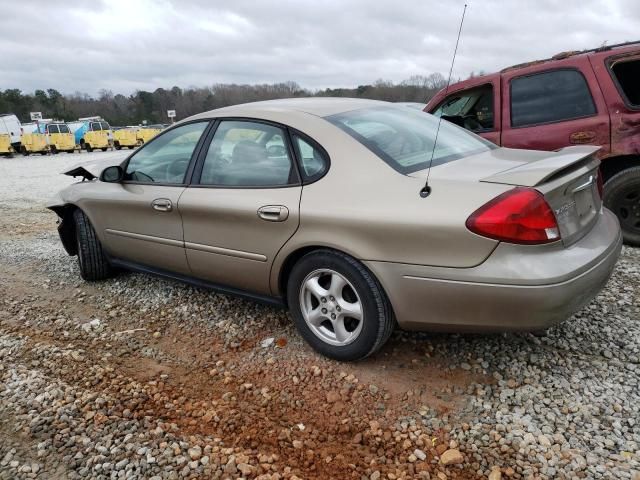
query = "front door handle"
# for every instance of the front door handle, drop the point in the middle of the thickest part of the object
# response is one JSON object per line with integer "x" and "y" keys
{"x": 162, "y": 205}
{"x": 273, "y": 213}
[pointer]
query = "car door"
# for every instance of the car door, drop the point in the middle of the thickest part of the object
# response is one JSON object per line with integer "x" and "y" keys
{"x": 548, "y": 109}
{"x": 139, "y": 216}
{"x": 242, "y": 206}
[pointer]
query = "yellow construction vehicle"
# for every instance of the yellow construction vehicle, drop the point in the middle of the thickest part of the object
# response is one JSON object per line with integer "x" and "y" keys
{"x": 91, "y": 133}
{"x": 147, "y": 133}
{"x": 60, "y": 138}
{"x": 33, "y": 141}
{"x": 5, "y": 144}
{"x": 124, "y": 137}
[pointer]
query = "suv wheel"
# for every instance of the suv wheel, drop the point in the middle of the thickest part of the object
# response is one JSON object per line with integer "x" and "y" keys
{"x": 622, "y": 197}
{"x": 338, "y": 306}
{"x": 91, "y": 257}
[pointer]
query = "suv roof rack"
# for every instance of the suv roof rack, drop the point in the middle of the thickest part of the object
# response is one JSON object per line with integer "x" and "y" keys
{"x": 571, "y": 53}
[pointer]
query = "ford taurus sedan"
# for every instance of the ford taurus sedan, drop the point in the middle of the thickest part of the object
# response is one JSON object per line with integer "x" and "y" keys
{"x": 320, "y": 205}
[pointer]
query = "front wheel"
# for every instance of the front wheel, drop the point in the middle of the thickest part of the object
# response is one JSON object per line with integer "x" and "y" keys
{"x": 91, "y": 257}
{"x": 338, "y": 306}
{"x": 622, "y": 197}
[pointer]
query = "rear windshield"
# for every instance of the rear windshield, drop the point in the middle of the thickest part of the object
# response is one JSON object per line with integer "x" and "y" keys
{"x": 404, "y": 137}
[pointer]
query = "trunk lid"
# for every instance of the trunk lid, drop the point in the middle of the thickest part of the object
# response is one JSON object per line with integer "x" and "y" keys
{"x": 568, "y": 179}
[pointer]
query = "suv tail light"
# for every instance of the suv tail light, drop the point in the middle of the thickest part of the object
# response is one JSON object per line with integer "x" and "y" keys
{"x": 521, "y": 215}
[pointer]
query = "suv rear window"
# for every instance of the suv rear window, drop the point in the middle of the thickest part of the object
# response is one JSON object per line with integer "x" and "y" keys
{"x": 550, "y": 97}
{"x": 404, "y": 137}
{"x": 628, "y": 76}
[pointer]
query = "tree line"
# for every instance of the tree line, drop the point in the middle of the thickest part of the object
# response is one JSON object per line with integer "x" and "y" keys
{"x": 152, "y": 107}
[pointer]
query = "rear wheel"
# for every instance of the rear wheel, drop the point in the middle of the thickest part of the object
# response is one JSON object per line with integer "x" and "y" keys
{"x": 622, "y": 197}
{"x": 117, "y": 145}
{"x": 338, "y": 306}
{"x": 91, "y": 257}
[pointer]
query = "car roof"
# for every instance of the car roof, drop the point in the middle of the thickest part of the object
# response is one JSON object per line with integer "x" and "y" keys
{"x": 318, "y": 106}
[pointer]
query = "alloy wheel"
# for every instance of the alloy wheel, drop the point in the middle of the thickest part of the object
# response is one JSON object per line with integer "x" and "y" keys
{"x": 331, "y": 307}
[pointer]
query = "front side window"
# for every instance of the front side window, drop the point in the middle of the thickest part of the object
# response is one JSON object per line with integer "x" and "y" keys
{"x": 404, "y": 138}
{"x": 104, "y": 126}
{"x": 627, "y": 73}
{"x": 248, "y": 154}
{"x": 550, "y": 97}
{"x": 471, "y": 109}
{"x": 166, "y": 159}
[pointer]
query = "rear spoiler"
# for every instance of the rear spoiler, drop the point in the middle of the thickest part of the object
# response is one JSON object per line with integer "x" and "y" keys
{"x": 533, "y": 173}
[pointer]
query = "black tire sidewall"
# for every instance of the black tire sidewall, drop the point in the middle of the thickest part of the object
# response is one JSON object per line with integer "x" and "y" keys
{"x": 370, "y": 297}
{"x": 612, "y": 189}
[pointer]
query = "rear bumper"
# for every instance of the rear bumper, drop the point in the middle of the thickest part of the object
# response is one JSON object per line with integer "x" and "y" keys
{"x": 516, "y": 288}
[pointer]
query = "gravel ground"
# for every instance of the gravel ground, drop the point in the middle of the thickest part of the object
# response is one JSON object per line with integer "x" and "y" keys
{"x": 143, "y": 378}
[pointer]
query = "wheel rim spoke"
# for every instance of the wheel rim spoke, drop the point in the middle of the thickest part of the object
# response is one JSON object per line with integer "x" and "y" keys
{"x": 352, "y": 310}
{"x": 340, "y": 330}
{"x": 315, "y": 288}
{"x": 337, "y": 284}
{"x": 315, "y": 317}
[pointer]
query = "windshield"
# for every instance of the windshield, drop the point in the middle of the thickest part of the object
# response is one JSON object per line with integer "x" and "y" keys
{"x": 404, "y": 137}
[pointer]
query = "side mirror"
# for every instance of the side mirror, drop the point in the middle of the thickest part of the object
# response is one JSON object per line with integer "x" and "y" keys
{"x": 113, "y": 174}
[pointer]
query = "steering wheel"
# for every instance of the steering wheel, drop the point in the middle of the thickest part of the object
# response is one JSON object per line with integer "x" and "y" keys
{"x": 142, "y": 176}
{"x": 472, "y": 123}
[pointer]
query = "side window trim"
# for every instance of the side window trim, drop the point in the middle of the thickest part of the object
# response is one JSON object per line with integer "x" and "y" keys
{"x": 194, "y": 155}
{"x": 542, "y": 72}
{"x": 298, "y": 156}
{"x": 194, "y": 181}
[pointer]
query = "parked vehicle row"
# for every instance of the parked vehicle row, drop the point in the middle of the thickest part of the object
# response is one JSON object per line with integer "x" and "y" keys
{"x": 51, "y": 136}
{"x": 575, "y": 98}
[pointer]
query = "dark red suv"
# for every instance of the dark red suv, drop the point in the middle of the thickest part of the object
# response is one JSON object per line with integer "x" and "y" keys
{"x": 575, "y": 98}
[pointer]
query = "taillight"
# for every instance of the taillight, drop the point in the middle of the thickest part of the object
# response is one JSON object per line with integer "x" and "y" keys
{"x": 600, "y": 183}
{"x": 520, "y": 215}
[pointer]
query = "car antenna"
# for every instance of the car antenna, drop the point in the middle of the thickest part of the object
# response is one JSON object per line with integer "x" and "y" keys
{"x": 426, "y": 190}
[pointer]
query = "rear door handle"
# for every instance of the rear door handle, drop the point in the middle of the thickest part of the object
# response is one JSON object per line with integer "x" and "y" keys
{"x": 273, "y": 213}
{"x": 162, "y": 205}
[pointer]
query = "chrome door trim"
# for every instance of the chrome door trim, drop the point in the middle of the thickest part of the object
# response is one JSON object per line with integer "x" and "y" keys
{"x": 147, "y": 238}
{"x": 226, "y": 251}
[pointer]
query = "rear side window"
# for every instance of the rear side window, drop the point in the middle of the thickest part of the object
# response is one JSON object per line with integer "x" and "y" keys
{"x": 628, "y": 76}
{"x": 550, "y": 97}
{"x": 313, "y": 160}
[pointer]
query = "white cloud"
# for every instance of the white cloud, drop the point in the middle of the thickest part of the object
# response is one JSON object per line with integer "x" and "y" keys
{"x": 123, "y": 45}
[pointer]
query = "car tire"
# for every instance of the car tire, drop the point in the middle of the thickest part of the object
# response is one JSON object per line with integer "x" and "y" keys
{"x": 358, "y": 338}
{"x": 91, "y": 257}
{"x": 622, "y": 197}
{"x": 104, "y": 149}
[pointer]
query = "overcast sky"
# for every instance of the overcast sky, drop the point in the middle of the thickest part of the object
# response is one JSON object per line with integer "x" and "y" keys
{"x": 125, "y": 45}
